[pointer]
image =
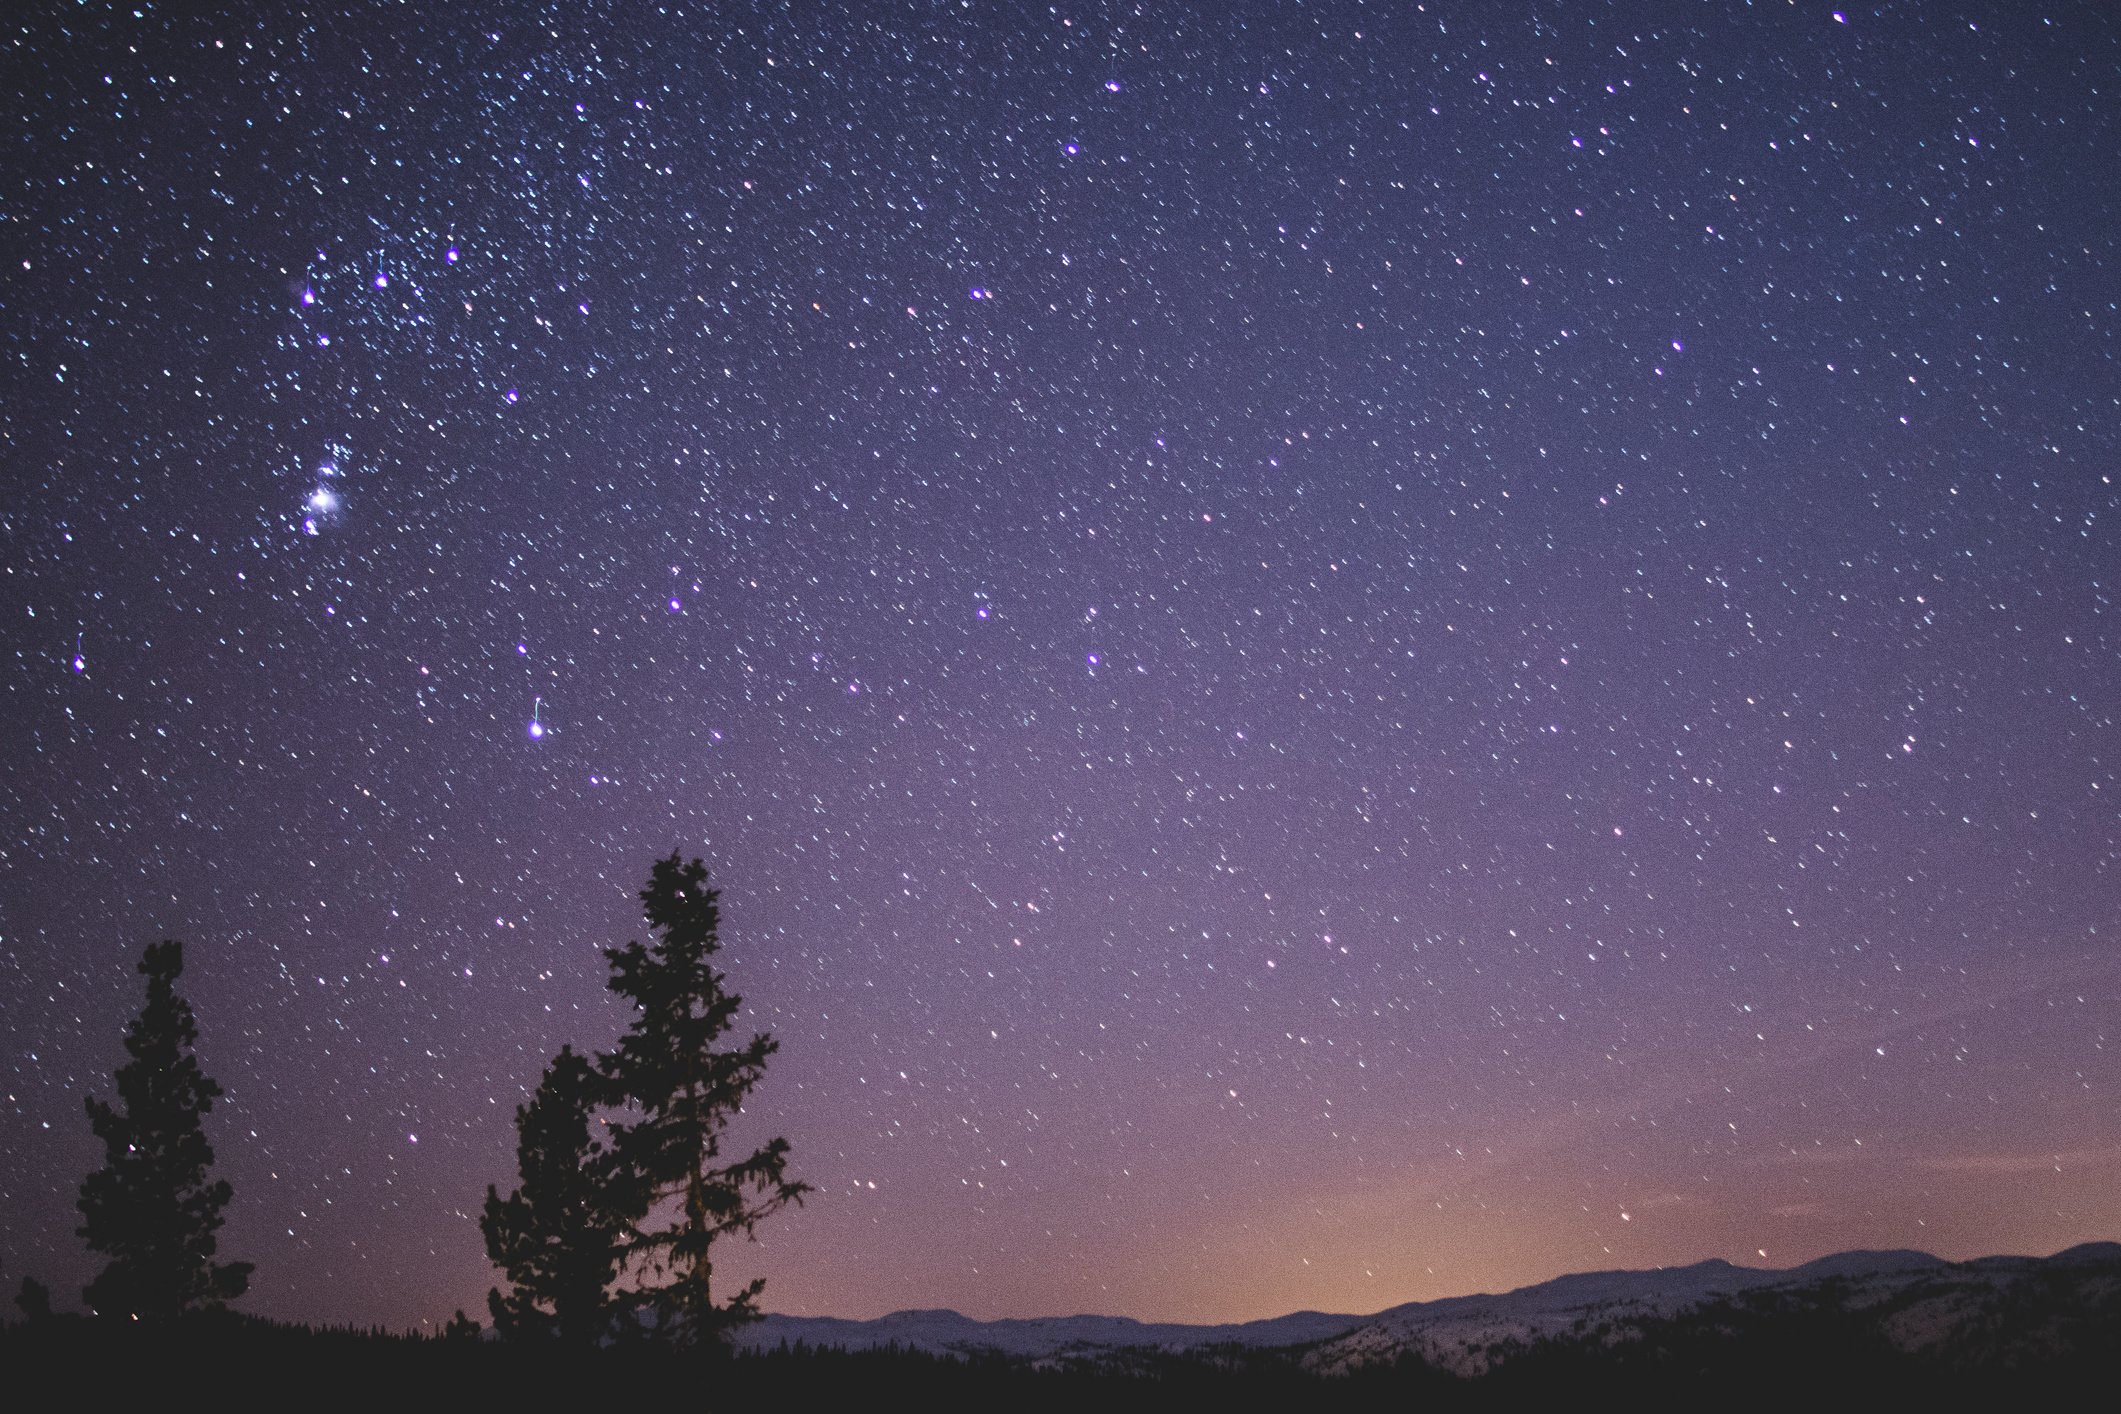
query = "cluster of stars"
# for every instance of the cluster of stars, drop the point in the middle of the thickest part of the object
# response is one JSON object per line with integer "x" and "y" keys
{"x": 1329, "y": 653}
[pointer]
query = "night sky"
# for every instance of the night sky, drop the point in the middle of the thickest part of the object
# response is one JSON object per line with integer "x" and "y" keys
{"x": 1329, "y": 653}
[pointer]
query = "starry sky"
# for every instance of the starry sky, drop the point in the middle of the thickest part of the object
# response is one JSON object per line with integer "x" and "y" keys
{"x": 1330, "y": 653}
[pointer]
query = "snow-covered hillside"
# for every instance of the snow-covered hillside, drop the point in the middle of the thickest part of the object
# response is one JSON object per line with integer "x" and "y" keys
{"x": 1932, "y": 1301}
{"x": 948, "y": 1333}
{"x": 1921, "y": 1302}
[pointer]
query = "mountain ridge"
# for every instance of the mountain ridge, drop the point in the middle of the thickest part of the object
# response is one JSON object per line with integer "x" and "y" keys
{"x": 1920, "y": 1301}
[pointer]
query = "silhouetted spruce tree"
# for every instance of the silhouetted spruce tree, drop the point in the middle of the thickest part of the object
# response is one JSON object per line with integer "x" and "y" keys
{"x": 150, "y": 1208}
{"x": 35, "y": 1299}
{"x": 681, "y": 1092}
{"x": 559, "y": 1237}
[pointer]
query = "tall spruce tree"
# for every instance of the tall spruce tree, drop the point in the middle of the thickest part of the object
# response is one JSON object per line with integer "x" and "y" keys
{"x": 681, "y": 1093}
{"x": 150, "y": 1208}
{"x": 560, "y": 1236}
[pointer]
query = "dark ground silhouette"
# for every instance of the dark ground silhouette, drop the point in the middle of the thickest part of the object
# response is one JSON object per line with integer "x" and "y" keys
{"x": 1735, "y": 1354}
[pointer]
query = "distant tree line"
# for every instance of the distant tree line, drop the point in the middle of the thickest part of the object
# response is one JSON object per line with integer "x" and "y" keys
{"x": 624, "y": 1187}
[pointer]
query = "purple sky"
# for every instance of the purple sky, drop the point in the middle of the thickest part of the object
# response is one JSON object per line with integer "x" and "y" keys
{"x": 1329, "y": 654}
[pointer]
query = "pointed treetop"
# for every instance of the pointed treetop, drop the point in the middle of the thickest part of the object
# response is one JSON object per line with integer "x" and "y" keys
{"x": 678, "y": 903}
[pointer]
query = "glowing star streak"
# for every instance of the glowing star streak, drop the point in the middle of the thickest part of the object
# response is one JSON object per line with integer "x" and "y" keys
{"x": 80, "y": 662}
{"x": 537, "y": 728}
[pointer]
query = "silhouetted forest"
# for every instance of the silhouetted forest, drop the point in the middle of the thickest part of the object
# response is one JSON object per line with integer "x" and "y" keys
{"x": 624, "y": 1186}
{"x": 606, "y": 1245}
{"x": 1733, "y": 1355}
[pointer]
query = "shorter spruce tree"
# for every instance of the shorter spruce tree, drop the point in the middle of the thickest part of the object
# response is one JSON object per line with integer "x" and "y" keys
{"x": 151, "y": 1208}
{"x": 559, "y": 1237}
